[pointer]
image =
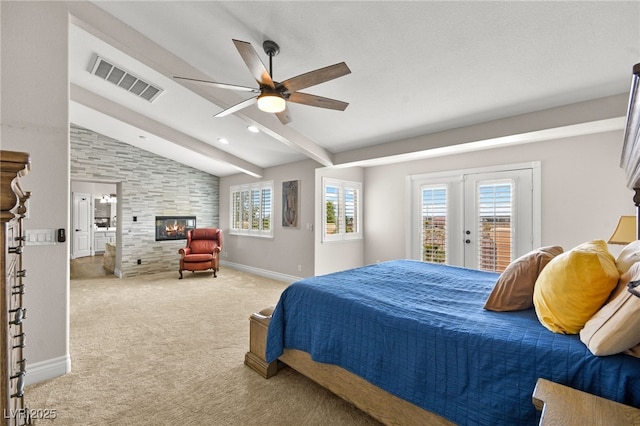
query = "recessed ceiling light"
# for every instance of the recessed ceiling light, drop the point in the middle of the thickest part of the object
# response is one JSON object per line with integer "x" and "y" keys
{"x": 253, "y": 129}
{"x": 223, "y": 141}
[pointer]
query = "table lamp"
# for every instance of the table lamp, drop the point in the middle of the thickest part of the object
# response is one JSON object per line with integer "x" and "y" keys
{"x": 625, "y": 232}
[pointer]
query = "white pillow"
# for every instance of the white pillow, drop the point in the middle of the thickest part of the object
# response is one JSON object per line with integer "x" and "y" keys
{"x": 615, "y": 327}
{"x": 628, "y": 256}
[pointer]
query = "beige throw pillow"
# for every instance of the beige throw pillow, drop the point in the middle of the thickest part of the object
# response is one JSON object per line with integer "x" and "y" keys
{"x": 615, "y": 327}
{"x": 514, "y": 289}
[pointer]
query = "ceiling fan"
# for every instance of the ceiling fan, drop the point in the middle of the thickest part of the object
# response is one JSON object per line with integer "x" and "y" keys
{"x": 272, "y": 95}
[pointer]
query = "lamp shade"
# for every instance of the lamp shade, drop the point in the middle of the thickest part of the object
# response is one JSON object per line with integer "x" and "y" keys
{"x": 625, "y": 231}
{"x": 270, "y": 102}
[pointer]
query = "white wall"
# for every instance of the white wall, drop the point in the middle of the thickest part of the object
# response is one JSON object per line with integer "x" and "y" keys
{"x": 289, "y": 247}
{"x": 583, "y": 194}
{"x": 280, "y": 256}
{"x": 35, "y": 119}
{"x": 583, "y": 191}
{"x": 95, "y": 188}
{"x": 336, "y": 255}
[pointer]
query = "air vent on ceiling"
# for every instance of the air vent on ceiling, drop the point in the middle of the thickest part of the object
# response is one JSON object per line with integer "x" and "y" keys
{"x": 123, "y": 78}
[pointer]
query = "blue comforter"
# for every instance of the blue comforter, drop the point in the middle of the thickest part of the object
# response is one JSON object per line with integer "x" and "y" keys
{"x": 419, "y": 331}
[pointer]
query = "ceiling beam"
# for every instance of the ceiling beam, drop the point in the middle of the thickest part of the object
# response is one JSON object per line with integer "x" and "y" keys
{"x": 111, "y": 30}
{"x": 587, "y": 117}
{"x": 142, "y": 122}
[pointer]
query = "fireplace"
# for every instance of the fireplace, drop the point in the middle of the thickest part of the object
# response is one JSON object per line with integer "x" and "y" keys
{"x": 174, "y": 227}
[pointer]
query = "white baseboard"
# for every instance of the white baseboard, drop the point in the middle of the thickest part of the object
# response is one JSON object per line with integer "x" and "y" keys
{"x": 262, "y": 272}
{"x": 49, "y": 369}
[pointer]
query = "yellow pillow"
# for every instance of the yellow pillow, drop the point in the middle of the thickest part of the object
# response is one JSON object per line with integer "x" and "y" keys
{"x": 573, "y": 286}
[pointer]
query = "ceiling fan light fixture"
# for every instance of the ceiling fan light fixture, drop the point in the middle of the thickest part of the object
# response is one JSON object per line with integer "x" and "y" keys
{"x": 271, "y": 102}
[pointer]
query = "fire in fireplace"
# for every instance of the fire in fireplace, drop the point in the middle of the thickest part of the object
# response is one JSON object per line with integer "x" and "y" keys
{"x": 174, "y": 227}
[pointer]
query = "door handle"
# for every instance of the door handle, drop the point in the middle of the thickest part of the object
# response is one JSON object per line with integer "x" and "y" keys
{"x": 78, "y": 230}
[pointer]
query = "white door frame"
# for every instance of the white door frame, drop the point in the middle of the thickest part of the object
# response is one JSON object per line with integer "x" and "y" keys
{"x": 455, "y": 178}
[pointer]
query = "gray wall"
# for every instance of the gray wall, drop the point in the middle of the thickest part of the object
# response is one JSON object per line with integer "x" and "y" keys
{"x": 583, "y": 194}
{"x": 583, "y": 191}
{"x": 34, "y": 118}
{"x": 149, "y": 186}
{"x": 289, "y": 254}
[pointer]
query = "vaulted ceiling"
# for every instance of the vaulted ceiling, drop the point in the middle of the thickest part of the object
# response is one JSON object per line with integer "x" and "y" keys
{"x": 417, "y": 68}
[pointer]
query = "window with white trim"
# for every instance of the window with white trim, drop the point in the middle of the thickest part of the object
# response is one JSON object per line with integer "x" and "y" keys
{"x": 341, "y": 215}
{"x": 251, "y": 209}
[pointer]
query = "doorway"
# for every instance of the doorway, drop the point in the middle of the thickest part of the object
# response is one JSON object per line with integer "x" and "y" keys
{"x": 81, "y": 224}
{"x": 94, "y": 229}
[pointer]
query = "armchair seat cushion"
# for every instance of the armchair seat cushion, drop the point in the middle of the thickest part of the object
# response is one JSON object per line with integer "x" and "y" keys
{"x": 198, "y": 257}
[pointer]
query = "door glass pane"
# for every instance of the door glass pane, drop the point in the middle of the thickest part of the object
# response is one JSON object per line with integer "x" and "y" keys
{"x": 495, "y": 201}
{"x": 434, "y": 224}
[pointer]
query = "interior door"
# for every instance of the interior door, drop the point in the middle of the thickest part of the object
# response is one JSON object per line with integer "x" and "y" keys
{"x": 81, "y": 226}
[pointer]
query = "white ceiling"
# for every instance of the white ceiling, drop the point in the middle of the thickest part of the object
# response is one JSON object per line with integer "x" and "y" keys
{"x": 418, "y": 67}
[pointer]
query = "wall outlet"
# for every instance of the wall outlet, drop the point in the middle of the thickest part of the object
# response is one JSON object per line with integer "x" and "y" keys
{"x": 299, "y": 268}
{"x": 139, "y": 261}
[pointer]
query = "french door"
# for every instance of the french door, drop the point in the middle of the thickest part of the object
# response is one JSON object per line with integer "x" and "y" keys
{"x": 480, "y": 219}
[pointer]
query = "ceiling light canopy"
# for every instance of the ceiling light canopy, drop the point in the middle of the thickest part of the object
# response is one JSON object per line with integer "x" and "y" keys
{"x": 271, "y": 102}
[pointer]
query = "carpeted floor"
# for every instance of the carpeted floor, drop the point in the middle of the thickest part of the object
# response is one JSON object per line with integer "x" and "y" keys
{"x": 161, "y": 351}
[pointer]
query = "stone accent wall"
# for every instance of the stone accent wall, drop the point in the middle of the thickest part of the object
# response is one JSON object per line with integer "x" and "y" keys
{"x": 150, "y": 186}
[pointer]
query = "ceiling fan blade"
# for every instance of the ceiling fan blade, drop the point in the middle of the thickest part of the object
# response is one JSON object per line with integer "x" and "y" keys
{"x": 318, "y": 76}
{"x": 284, "y": 116}
{"x": 255, "y": 65}
{"x": 317, "y": 101}
{"x": 237, "y": 107}
{"x": 219, "y": 85}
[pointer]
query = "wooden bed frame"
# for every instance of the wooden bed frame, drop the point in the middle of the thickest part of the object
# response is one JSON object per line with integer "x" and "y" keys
{"x": 388, "y": 408}
{"x": 378, "y": 403}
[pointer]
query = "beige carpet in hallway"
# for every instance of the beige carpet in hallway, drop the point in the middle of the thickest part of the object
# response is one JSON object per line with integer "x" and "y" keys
{"x": 161, "y": 351}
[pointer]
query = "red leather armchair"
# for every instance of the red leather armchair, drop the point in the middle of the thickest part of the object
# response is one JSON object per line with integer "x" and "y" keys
{"x": 202, "y": 250}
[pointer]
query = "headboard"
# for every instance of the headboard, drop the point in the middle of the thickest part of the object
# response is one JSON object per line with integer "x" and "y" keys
{"x": 630, "y": 161}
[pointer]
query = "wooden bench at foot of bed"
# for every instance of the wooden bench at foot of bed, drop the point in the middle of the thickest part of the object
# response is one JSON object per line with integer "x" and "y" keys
{"x": 374, "y": 401}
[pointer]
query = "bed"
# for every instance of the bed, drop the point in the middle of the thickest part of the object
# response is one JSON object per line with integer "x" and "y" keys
{"x": 419, "y": 331}
{"x": 410, "y": 343}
